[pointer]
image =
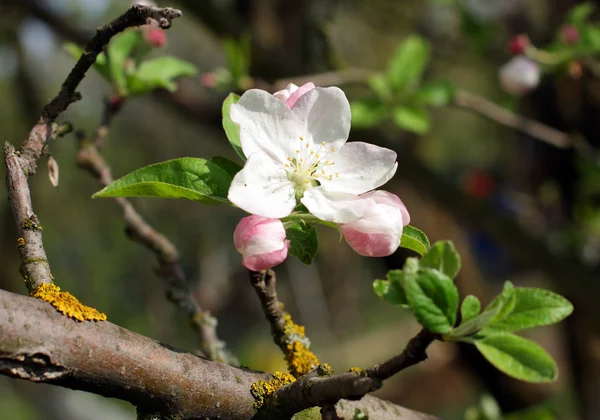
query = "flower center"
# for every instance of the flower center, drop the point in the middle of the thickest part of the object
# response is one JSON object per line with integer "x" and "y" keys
{"x": 308, "y": 167}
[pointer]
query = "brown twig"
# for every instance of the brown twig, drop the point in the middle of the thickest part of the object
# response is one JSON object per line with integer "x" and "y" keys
{"x": 40, "y": 345}
{"x": 169, "y": 268}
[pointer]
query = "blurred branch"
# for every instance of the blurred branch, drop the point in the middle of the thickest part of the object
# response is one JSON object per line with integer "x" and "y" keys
{"x": 505, "y": 117}
{"x": 40, "y": 345}
{"x": 138, "y": 230}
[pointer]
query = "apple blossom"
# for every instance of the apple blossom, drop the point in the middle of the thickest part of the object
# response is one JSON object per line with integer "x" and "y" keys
{"x": 261, "y": 241}
{"x": 378, "y": 232}
{"x": 297, "y": 152}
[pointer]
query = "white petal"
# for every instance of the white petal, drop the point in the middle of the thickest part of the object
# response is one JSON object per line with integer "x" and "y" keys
{"x": 334, "y": 206}
{"x": 267, "y": 125}
{"x": 262, "y": 188}
{"x": 325, "y": 113}
{"x": 284, "y": 94}
{"x": 360, "y": 167}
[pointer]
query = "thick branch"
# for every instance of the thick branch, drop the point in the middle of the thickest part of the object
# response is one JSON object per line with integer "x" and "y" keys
{"x": 40, "y": 345}
{"x": 169, "y": 268}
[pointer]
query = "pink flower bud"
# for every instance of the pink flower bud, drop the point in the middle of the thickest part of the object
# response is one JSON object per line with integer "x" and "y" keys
{"x": 518, "y": 44}
{"x": 208, "y": 80}
{"x": 292, "y": 93}
{"x": 569, "y": 34}
{"x": 378, "y": 232}
{"x": 520, "y": 75}
{"x": 157, "y": 37}
{"x": 261, "y": 241}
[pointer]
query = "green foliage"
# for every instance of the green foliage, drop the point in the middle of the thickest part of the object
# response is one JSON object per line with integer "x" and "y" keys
{"x": 237, "y": 54}
{"x": 189, "y": 178}
{"x": 415, "y": 240}
{"x": 367, "y": 113}
{"x": 579, "y": 14}
{"x": 303, "y": 241}
{"x": 227, "y": 165}
{"x": 443, "y": 257}
{"x": 433, "y": 297}
{"x": 413, "y": 119}
{"x": 408, "y": 63}
{"x": 391, "y": 290}
{"x": 132, "y": 74}
{"x": 518, "y": 357}
{"x": 232, "y": 130}
{"x": 470, "y": 308}
{"x": 437, "y": 93}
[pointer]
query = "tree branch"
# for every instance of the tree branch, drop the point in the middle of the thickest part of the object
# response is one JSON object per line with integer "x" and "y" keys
{"x": 40, "y": 345}
{"x": 169, "y": 267}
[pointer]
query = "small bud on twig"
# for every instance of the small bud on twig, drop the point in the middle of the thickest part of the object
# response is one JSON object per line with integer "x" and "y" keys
{"x": 53, "y": 171}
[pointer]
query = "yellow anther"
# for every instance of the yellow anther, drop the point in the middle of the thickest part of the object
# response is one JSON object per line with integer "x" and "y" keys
{"x": 332, "y": 149}
{"x": 337, "y": 175}
{"x": 301, "y": 138}
{"x": 286, "y": 165}
{"x": 323, "y": 144}
{"x": 307, "y": 145}
{"x": 330, "y": 176}
{"x": 297, "y": 151}
{"x": 312, "y": 152}
{"x": 317, "y": 156}
{"x": 323, "y": 171}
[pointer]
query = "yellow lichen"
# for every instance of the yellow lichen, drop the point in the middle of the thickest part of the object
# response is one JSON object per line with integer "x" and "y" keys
{"x": 355, "y": 369}
{"x": 262, "y": 389}
{"x": 67, "y": 304}
{"x": 299, "y": 358}
{"x": 20, "y": 242}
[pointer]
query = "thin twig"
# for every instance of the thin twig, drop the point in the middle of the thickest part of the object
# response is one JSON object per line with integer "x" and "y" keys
{"x": 169, "y": 268}
{"x": 505, "y": 117}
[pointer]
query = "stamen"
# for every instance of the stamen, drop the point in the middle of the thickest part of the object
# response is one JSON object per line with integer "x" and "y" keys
{"x": 332, "y": 149}
{"x": 301, "y": 138}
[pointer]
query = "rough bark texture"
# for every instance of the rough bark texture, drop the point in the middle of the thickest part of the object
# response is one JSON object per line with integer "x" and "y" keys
{"x": 40, "y": 345}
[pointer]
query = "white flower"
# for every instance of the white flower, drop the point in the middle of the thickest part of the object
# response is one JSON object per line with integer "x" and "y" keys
{"x": 520, "y": 75}
{"x": 300, "y": 154}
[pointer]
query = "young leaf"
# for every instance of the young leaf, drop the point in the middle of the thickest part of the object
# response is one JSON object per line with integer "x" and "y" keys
{"x": 303, "y": 241}
{"x": 227, "y": 165}
{"x": 190, "y": 178}
{"x": 443, "y": 257}
{"x": 470, "y": 308}
{"x": 232, "y": 130}
{"x": 380, "y": 85}
{"x": 503, "y": 304}
{"x": 408, "y": 63}
{"x": 118, "y": 51}
{"x": 389, "y": 291}
{"x": 518, "y": 357}
{"x": 438, "y": 93}
{"x": 533, "y": 308}
{"x": 367, "y": 113}
{"x": 160, "y": 73}
{"x": 433, "y": 297}
{"x": 415, "y": 240}
{"x": 580, "y": 13}
{"x": 411, "y": 119}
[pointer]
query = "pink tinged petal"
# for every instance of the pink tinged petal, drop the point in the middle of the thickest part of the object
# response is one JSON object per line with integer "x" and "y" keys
{"x": 360, "y": 167}
{"x": 335, "y": 207}
{"x": 267, "y": 125}
{"x": 377, "y": 233}
{"x": 284, "y": 94}
{"x": 385, "y": 197}
{"x": 298, "y": 92}
{"x": 261, "y": 241}
{"x": 325, "y": 115}
{"x": 262, "y": 188}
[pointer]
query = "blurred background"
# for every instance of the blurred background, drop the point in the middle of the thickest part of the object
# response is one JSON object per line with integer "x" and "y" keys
{"x": 520, "y": 201}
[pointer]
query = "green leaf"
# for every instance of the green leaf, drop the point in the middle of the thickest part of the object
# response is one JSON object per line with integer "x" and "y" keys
{"x": 438, "y": 93}
{"x": 232, "y": 130}
{"x": 159, "y": 73}
{"x": 580, "y": 13}
{"x": 518, "y": 357}
{"x": 100, "y": 65}
{"x": 379, "y": 84}
{"x": 408, "y": 63}
{"x": 303, "y": 241}
{"x": 390, "y": 292}
{"x": 433, "y": 297}
{"x": 443, "y": 257}
{"x": 119, "y": 49}
{"x": 190, "y": 178}
{"x": 415, "y": 240}
{"x": 367, "y": 113}
{"x": 533, "y": 308}
{"x": 227, "y": 165}
{"x": 413, "y": 119}
{"x": 470, "y": 308}
{"x": 502, "y": 305}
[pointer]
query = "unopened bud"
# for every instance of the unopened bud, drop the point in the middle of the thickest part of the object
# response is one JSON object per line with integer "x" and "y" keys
{"x": 261, "y": 241}
{"x": 518, "y": 44}
{"x": 157, "y": 37}
{"x": 519, "y": 76}
{"x": 569, "y": 34}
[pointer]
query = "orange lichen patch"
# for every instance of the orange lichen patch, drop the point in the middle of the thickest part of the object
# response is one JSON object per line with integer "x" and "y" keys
{"x": 67, "y": 304}
{"x": 262, "y": 389}
{"x": 299, "y": 358}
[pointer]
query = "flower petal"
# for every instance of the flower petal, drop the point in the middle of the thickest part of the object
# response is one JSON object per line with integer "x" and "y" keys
{"x": 360, "y": 167}
{"x": 385, "y": 197}
{"x": 262, "y": 188}
{"x": 284, "y": 94}
{"x": 267, "y": 125}
{"x": 334, "y": 206}
{"x": 325, "y": 114}
{"x": 296, "y": 94}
